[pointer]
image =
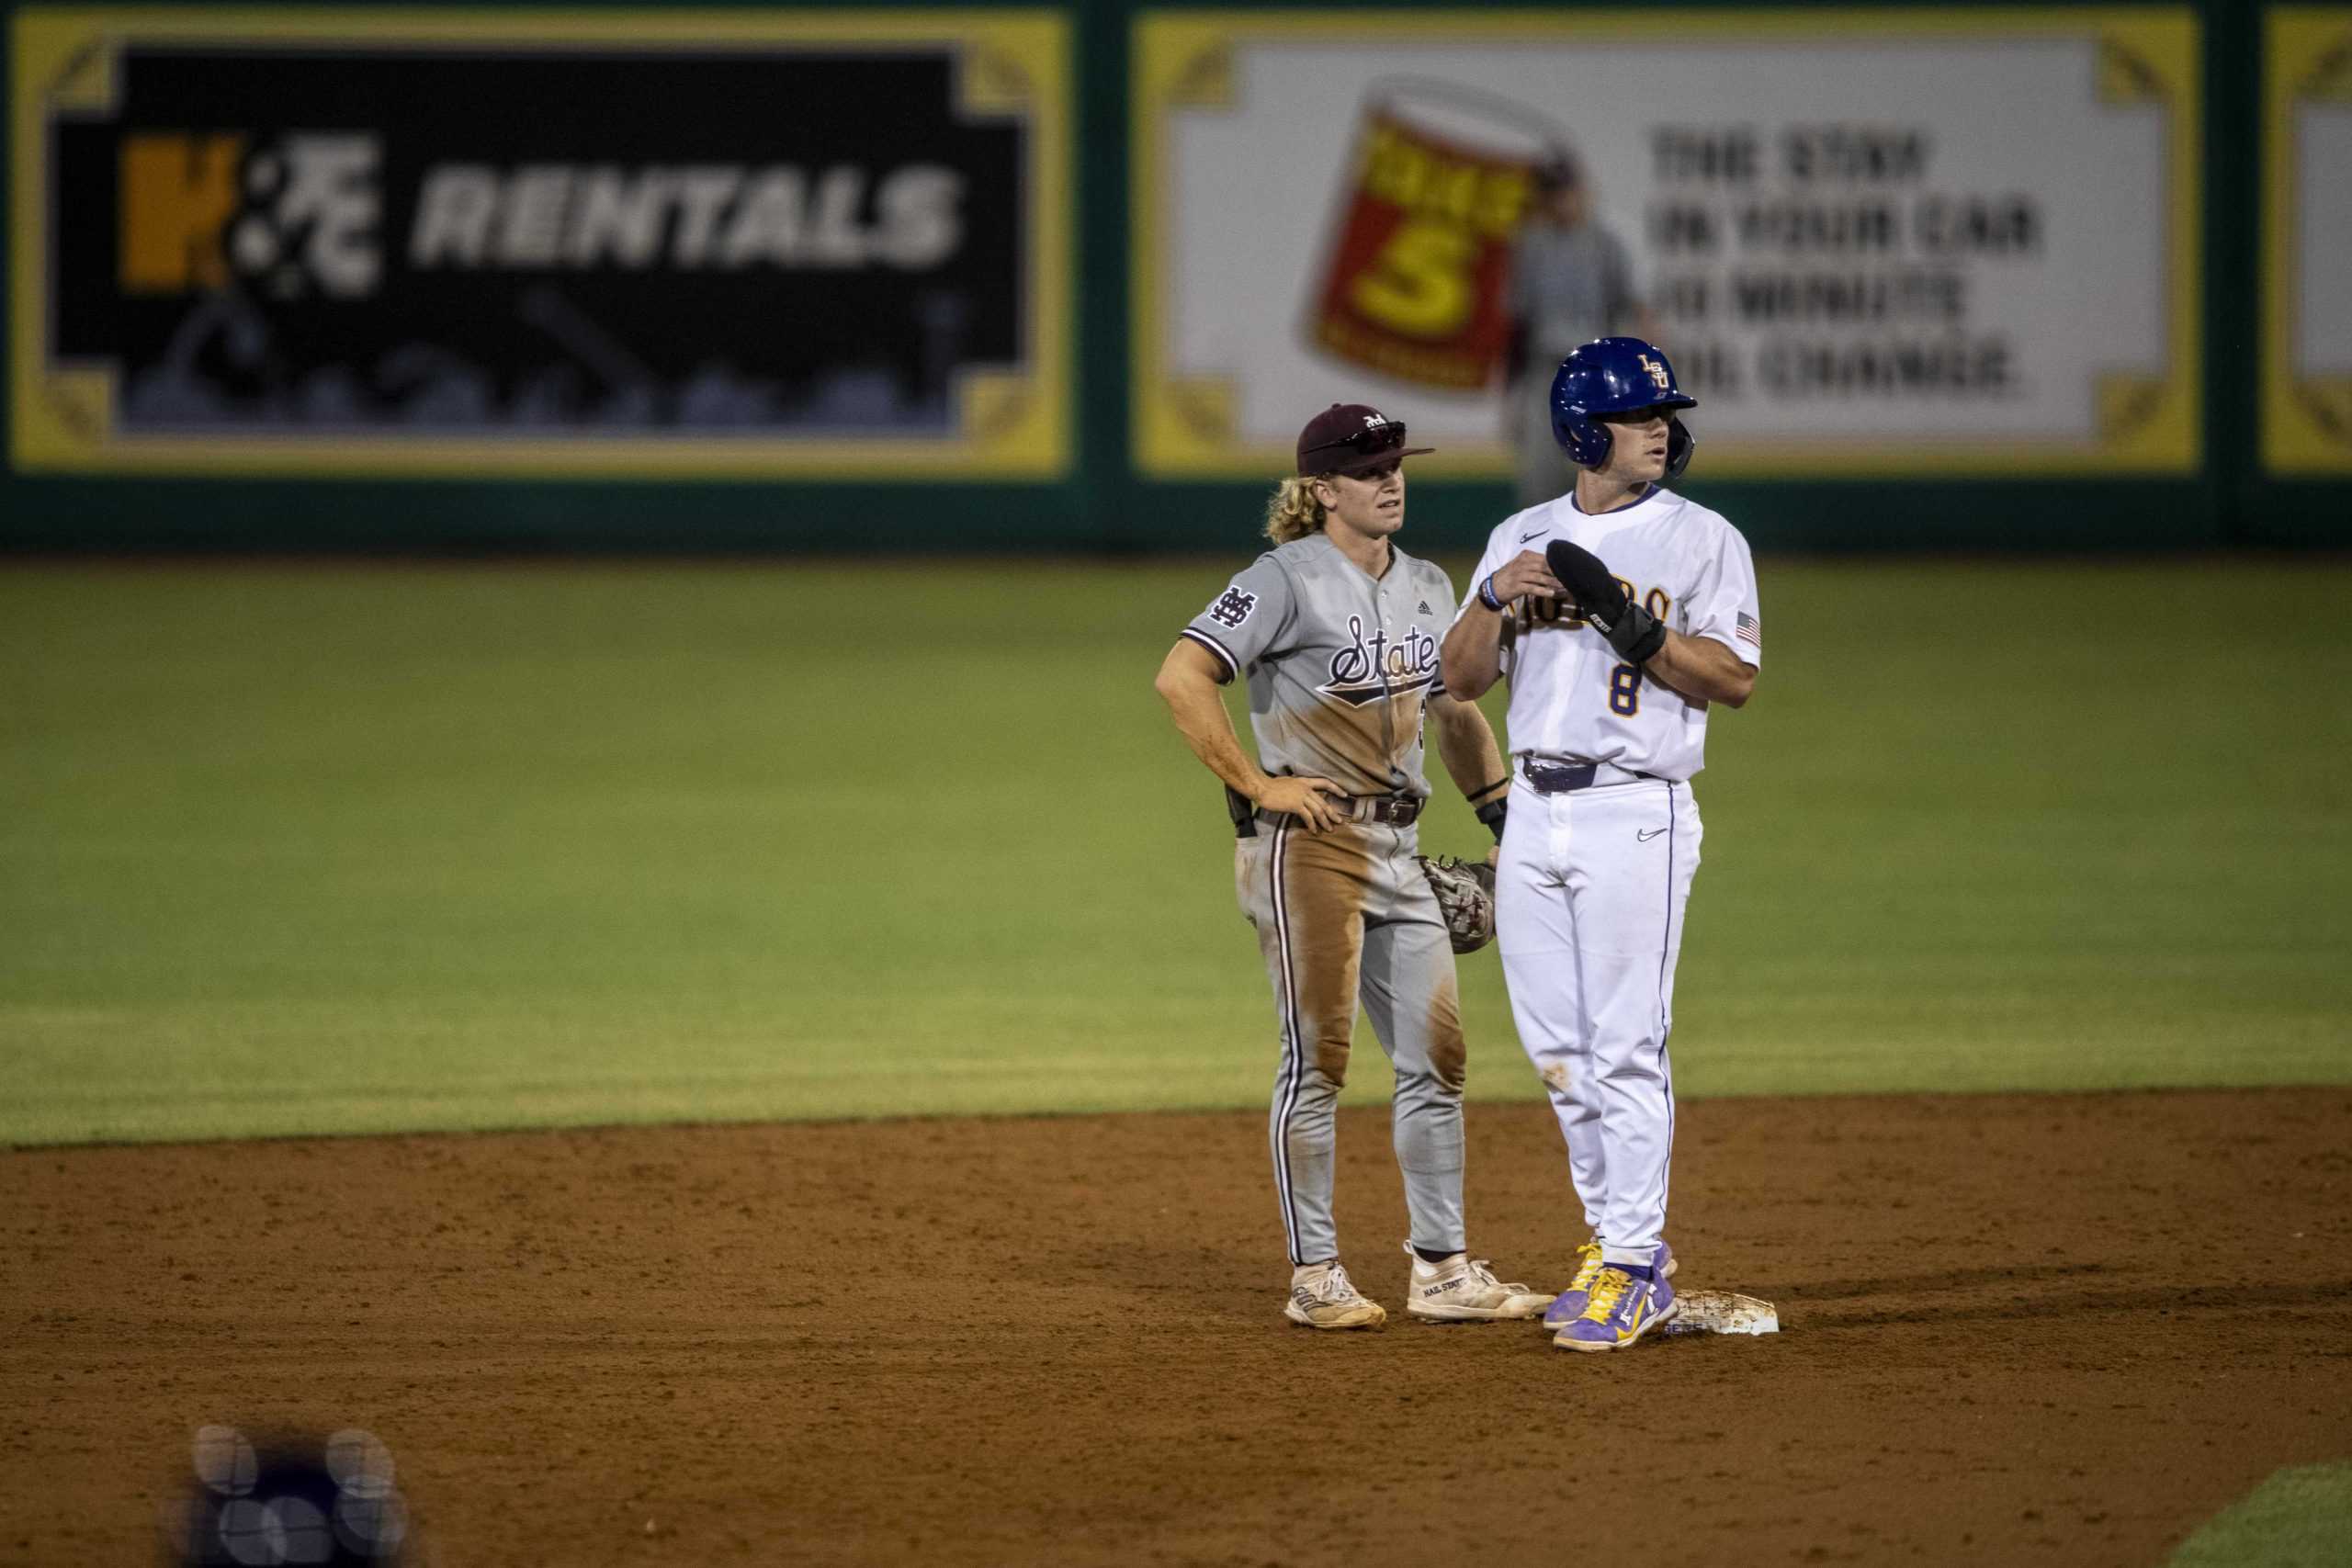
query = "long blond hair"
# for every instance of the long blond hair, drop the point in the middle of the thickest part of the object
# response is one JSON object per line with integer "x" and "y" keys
{"x": 1293, "y": 512}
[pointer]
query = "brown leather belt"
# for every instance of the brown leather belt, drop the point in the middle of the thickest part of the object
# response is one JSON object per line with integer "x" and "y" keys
{"x": 1396, "y": 810}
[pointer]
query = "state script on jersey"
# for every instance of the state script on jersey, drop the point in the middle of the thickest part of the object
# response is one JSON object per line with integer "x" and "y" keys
{"x": 1571, "y": 695}
{"x": 1339, "y": 665}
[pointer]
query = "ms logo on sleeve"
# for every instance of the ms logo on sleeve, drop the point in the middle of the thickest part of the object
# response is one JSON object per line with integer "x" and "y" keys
{"x": 1233, "y": 607}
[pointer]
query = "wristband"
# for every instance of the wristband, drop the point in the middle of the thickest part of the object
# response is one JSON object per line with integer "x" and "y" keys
{"x": 1491, "y": 814}
{"x": 1487, "y": 594}
{"x": 1637, "y": 636}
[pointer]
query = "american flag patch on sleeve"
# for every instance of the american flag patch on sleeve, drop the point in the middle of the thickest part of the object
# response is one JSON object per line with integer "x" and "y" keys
{"x": 1749, "y": 632}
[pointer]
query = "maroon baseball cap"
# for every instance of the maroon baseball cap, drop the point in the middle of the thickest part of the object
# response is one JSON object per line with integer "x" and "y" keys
{"x": 1347, "y": 438}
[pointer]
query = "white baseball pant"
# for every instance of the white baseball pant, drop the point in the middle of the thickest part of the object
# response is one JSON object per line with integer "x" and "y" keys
{"x": 1589, "y": 905}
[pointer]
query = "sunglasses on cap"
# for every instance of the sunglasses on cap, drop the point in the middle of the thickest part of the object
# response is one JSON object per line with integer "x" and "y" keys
{"x": 1367, "y": 443}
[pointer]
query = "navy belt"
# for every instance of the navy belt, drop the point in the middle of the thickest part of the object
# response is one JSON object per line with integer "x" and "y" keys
{"x": 1553, "y": 775}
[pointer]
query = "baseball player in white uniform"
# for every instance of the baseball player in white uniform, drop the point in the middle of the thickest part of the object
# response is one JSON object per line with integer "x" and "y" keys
{"x": 1337, "y": 632}
{"x": 1621, "y": 613}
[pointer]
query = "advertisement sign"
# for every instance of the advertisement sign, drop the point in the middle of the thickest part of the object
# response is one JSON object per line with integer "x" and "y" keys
{"x": 1375, "y": 306}
{"x": 2307, "y": 303}
{"x": 477, "y": 242}
{"x": 1846, "y": 228}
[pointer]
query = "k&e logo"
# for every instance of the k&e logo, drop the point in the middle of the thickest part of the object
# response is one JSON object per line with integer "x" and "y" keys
{"x": 293, "y": 215}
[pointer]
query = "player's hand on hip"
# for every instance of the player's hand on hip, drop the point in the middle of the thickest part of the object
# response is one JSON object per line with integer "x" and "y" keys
{"x": 1527, "y": 573}
{"x": 1313, "y": 801}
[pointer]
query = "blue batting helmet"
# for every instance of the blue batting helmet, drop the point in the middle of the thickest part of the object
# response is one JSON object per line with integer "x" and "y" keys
{"x": 1616, "y": 375}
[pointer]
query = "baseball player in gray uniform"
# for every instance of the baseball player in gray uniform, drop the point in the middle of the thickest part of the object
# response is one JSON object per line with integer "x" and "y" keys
{"x": 1337, "y": 631}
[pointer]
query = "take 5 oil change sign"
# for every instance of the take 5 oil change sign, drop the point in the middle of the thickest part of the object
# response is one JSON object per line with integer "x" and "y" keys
{"x": 1847, "y": 227}
{"x": 1439, "y": 182}
{"x": 399, "y": 243}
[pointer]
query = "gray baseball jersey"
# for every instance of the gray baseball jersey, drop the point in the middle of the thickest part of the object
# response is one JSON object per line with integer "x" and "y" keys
{"x": 1339, "y": 666}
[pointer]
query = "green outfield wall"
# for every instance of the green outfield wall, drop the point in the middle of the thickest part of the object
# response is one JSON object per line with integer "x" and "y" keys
{"x": 1056, "y": 278}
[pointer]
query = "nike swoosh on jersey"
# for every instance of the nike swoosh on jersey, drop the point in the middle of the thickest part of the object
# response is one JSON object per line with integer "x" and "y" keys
{"x": 1537, "y": 534}
{"x": 1646, "y": 834}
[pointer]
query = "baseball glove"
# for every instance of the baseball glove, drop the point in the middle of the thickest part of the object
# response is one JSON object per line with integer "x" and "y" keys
{"x": 1465, "y": 897}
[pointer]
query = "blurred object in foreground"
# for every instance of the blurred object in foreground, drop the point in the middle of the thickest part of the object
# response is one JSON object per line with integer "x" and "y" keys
{"x": 288, "y": 1500}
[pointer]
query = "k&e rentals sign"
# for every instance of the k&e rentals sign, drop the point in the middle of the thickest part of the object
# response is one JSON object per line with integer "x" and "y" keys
{"x": 456, "y": 243}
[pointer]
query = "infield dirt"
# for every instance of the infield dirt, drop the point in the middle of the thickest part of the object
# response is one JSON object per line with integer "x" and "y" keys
{"x": 2047, "y": 1329}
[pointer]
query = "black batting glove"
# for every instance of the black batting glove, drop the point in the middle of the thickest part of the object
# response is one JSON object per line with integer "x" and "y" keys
{"x": 1632, "y": 631}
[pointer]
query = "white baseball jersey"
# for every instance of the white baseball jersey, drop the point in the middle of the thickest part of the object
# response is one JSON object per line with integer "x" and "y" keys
{"x": 1570, "y": 695}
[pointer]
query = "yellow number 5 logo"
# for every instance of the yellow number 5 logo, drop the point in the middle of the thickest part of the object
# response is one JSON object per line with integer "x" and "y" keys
{"x": 1422, "y": 285}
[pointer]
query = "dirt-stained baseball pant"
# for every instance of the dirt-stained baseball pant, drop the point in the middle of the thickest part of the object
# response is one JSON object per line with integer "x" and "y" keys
{"x": 1588, "y": 902}
{"x": 1342, "y": 916}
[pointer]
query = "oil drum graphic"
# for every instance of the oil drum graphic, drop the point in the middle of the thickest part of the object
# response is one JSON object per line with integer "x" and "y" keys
{"x": 1414, "y": 281}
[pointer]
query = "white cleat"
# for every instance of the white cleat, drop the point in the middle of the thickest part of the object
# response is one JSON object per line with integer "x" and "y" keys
{"x": 1322, "y": 1296}
{"x": 1463, "y": 1289}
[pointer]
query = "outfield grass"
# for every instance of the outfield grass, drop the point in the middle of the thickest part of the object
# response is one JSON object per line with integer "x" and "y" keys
{"x": 2297, "y": 1518}
{"x": 296, "y": 848}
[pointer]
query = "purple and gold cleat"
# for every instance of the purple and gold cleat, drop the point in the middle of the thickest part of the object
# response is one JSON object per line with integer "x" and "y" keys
{"x": 1569, "y": 1304}
{"x": 1621, "y": 1309}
